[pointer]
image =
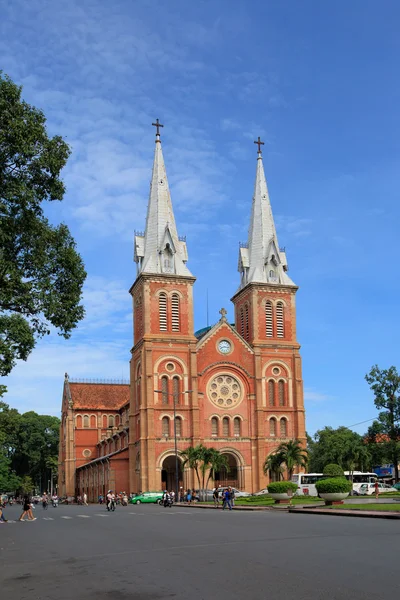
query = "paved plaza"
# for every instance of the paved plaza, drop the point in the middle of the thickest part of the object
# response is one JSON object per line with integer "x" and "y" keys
{"x": 147, "y": 552}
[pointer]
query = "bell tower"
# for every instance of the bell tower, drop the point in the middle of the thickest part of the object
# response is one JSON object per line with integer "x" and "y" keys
{"x": 163, "y": 354}
{"x": 265, "y": 316}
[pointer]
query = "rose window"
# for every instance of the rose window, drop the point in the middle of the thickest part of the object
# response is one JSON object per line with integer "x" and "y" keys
{"x": 225, "y": 391}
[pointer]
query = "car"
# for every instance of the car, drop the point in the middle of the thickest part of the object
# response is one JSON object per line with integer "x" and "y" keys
{"x": 397, "y": 486}
{"x": 368, "y": 489}
{"x": 147, "y": 497}
{"x": 261, "y": 492}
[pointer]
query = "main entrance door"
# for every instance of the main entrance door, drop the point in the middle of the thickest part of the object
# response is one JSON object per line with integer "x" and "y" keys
{"x": 230, "y": 476}
{"x": 168, "y": 473}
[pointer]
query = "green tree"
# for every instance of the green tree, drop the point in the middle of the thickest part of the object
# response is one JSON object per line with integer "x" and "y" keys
{"x": 41, "y": 274}
{"x": 191, "y": 457}
{"x": 217, "y": 462}
{"x": 333, "y": 446}
{"x": 378, "y": 445}
{"x": 293, "y": 455}
{"x": 385, "y": 384}
{"x": 273, "y": 466}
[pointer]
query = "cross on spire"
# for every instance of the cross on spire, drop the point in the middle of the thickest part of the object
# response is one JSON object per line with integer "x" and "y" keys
{"x": 259, "y": 143}
{"x": 158, "y": 125}
{"x": 223, "y": 313}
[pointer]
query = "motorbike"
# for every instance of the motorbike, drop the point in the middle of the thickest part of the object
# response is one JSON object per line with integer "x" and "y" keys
{"x": 55, "y": 502}
{"x": 168, "y": 502}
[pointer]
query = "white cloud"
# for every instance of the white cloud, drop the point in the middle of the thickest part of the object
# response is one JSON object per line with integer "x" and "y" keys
{"x": 310, "y": 395}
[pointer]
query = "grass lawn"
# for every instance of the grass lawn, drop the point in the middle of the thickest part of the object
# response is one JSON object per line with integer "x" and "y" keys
{"x": 381, "y": 507}
{"x": 267, "y": 501}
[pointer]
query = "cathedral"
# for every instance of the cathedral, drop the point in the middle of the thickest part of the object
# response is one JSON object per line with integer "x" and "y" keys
{"x": 234, "y": 387}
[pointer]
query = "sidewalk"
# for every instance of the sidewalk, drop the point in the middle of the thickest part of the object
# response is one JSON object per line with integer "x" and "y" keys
{"x": 346, "y": 513}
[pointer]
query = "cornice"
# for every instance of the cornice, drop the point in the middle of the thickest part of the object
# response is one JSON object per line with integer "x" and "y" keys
{"x": 158, "y": 278}
{"x": 277, "y": 288}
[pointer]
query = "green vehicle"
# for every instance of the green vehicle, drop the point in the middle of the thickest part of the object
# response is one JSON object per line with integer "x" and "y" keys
{"x": 149, "y": 497}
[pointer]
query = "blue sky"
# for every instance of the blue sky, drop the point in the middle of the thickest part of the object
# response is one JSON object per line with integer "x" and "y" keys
{"x": 317, "y": 81}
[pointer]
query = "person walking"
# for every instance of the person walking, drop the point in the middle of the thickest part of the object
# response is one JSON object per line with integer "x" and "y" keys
{"x": 189, "y": 496}
{"x": 376, "y": 490}
{"x": 27, "y": 510}
{"x": 232, "y": 497}
{"x": 181, "y": 495}
{"x": 2, "y": 519}
{"x": 45, "y": 501}
{"x": 85, "y": 499}
{"x": 227, "y": 500}
{"x": 216, "y": 497}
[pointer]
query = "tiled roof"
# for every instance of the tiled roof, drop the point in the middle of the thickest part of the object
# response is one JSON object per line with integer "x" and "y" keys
{"x": 107, "y": 396}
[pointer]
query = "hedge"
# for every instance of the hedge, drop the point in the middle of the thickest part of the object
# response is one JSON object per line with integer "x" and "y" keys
{"x": 281, "y": 487}
{"x": 333, "y": 485}
{"x": 333, "y": 470}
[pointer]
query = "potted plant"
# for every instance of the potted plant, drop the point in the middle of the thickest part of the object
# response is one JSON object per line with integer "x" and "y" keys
{"x": 282, "y": 491}
{"x": 333, "y": 489}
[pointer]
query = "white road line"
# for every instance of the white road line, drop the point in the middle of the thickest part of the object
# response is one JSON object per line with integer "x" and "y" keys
{"x": 48, "y": 519}
{"x": 98, "y": 515}
{"x": 132, "y": 513}
{"x": 83, "y": 516}
{"x": 67, "y": 517}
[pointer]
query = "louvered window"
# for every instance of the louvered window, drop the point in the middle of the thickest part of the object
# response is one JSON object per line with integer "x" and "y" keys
{"x": 242, "y": 322}
{"x": 268, "y": 319}
{"x": 86, "y": 421}
{"x": 283, "y": 428}
{"x": 178, "y": 425}
{"x": 111, "y": 421}
{"x": 162, "y": 302}
{"x": 280, "y": 323}
{"x": 281, "y": 393}
{"x": 225, "y": 427}
{"x": 175, "y": 312}
{"x": 214, "y": 426}
{"x": 271, "y": 392}
{"x": 165, "y": 426}
{"x": 175, "y": 389}
{"x": 164, "y": 389}
{"x": 236, "y": 426}
{"x": 246, "y": 322}
{"x": 272, "y": 427}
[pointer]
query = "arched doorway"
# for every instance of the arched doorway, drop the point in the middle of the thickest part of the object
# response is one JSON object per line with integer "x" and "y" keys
{"x": 168, "y": 470}
{"x": 229, "y": 476}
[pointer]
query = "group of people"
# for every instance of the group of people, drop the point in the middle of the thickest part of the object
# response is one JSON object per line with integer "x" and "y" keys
{"x": 113, "y": 499}
{"x": 227, "y": 495}
{"x": 28, "y": 505}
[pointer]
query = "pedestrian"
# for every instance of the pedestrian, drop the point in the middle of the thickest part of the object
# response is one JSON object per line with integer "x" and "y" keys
{"x": 376, "y": 489}
{"x": 216, "y": 497}
{"x": 189, "y": 496}
{"x": 227, "y": 500}
{"x": 45, "y": 501}
{"x": 101, "y": 499}
{"x": 194, "y": 496}
{"x": 2, "y": 519}
{"x": 172, "y": 494}
{"x": 85, "y": 499}
{"x": 181, "y": 495}
{"x": 232, "y": 497}
{"x": 27, "y": 510}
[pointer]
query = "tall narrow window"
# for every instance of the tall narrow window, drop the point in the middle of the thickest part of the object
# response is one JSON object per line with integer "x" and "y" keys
{"x": 165, "y": 426}
{"x": 242, "y": 322}
{"x": 272, "y": 427}
{"x": 236, "y": 426}
{"x": 178, "y": 425}
{"x": 162, "y": 304}
{"x": 225, "y": 427}
{"x": 175, "y": 317}
{"x": 283, "y": 428}
{"x": 246, "y": 323}
{"x": 164, "y": 389}
{"x": 281, "y": 393}
{"x": 280, "y": 322}
{"x": 111, "y": 421}
{"x": 269, "y": 330}
{"x": 86, "y": 421}
{"x": 214, "y": 426}
{"x": 176, "y": 389}
{"x": 271, "y": 392}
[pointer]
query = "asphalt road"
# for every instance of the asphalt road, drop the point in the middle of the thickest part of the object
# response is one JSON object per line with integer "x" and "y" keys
{"x": 148, "y": 552}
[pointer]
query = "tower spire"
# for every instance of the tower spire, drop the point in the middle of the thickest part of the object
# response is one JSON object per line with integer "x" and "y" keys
{"x": 261, "y": 260}
{"x": 159, "y": 249}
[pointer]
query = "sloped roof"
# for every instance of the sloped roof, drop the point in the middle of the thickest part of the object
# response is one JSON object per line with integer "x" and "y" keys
{"x": 107, "y": 396}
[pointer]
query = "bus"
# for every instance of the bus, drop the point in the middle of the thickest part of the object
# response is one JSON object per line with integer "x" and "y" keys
{"x": 306, "y": 481}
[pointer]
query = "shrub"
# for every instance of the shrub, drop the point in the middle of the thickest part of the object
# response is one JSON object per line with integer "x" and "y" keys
{"x": 333, "y": 485}
{"x": 333, "y": 470}
{"x": 281, "y": 487}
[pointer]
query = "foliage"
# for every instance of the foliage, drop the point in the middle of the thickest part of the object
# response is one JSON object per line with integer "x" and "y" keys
{"x": 273, "y": 466}
{"x": 28, "y": 447}
{"x": 206, "y": 463}
{"x": 385, "y": 384}
{"x": 341, "y": 446}
{"x": 334, "y": 485}
{"x": 281, "y": 487}
{"x": 27, "y": 485}
{"x": 41, "y": 274}
{"x": 333, "y": 470}
{"x": 293, "y": 455}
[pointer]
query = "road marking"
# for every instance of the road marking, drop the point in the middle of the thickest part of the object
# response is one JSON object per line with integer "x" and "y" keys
{"x": 83, "y": 516}
{"x": 48, "y": 519}
{"x": 67, "y": 517}
{"x": 98, "y": 515}
{"x": 132, "y": 513}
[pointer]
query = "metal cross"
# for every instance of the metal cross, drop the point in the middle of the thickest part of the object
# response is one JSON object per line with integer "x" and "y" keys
{"x": 158, "y": 125}
{"x": 259, "y": 143}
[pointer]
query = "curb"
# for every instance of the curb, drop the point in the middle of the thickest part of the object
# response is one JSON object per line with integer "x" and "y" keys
{"x": 211, "y": 507}
{"x": 346, "y": 513}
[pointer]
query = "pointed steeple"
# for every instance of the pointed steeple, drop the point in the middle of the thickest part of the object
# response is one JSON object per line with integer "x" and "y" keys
{"x": 160, "y": 250}
{"x": 261, "y": 260}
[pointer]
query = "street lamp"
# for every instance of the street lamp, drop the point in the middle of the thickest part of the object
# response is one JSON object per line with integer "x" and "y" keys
{"x": 174, "y": 395}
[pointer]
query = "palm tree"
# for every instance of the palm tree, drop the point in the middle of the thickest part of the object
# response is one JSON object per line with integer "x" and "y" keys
{"x": 293, "y": 455}
{"x": 217, "y": 462}
{"x": 273, "y": 466}
{"x": 192, "y": 457}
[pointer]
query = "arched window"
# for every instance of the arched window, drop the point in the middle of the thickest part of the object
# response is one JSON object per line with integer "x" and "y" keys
{"x": 236, "y": 426}
{"x": 269, "y": 329}
{"x": 271, "y": 392}
{"x": 272, "y": 427}
{"x": 105, "y": 421}
{"x": 138, "y": 386}
{"x": 175, "y": 316}
{"x": 178, "y": 425}
{"x": 242, "y": 322}
{"x": 246, "y": 323}
{"x": 86, "y": 421}
{"x": 162, "y": 305}
{"x": 214, "y": 426}
{"x": 225, "y": 427}
{"x": 78, "y": 422}
{"x": 176, "y": 389}
{"x": 139, "y": 317}
{"x": 281, "y": 393}
{"x": 164, "y": 389}
{"x": 283, "y": 428}
{"x": 165, "y": 426}
{"x": 111, "y": 421}
{"x": 280, "y": 321}
{"x": 117, "y": 420}
{"x": 93, "y": 421}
